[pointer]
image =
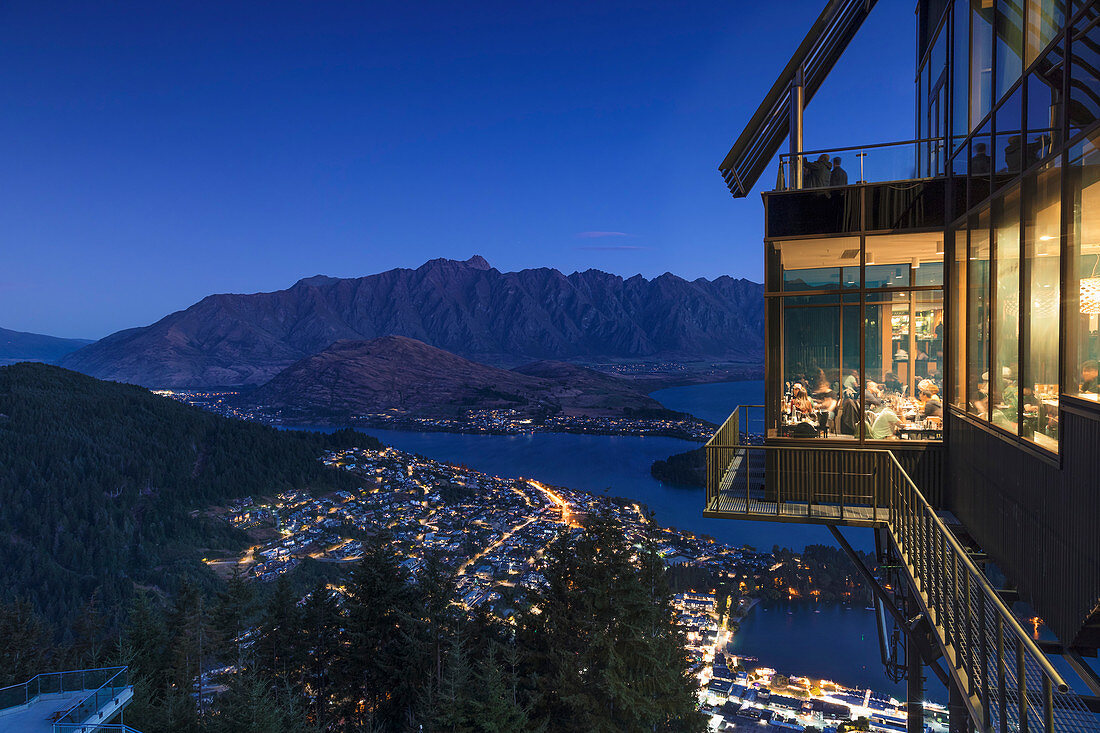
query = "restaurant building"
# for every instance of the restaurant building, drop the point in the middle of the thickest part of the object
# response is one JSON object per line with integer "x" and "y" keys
{"x": 932, "y": 343}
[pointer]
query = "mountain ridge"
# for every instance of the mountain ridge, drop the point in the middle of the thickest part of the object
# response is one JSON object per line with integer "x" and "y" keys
{"x": 16, "y": 346}
{"x": 465, "y": 307}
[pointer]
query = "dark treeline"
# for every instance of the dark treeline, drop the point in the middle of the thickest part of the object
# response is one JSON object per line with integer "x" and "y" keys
{"x": 595, "y": 650}
{"x": 686, "y": 469}
{"x": 98, "y": 481}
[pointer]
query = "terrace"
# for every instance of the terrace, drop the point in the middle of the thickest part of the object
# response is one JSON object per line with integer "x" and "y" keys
{"x": 77, "y": 701}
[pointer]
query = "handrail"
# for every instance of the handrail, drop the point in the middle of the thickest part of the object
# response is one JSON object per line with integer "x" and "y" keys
{"x": 118, "y": 672}
{"x": 971, "y": 615}
{"x": 872, "y": 146}
{"x": 983, "y": 583}
{"x": 60, "y": 675}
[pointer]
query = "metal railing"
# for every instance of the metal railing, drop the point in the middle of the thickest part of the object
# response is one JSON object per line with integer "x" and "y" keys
{"x": 101, "y": 685}
{"x": 1008, "y": 682}
{"x": 89, "y": 728}
{"x": 114, "y": 682}
{"x": 895, "y": 161}
{"x": 53, "y": 683}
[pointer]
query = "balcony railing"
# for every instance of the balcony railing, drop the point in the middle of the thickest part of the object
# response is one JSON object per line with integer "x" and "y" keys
{"x": 896, "y": 161}
{"x": 96, "y": 688}
{"x": 1009, "y": 684}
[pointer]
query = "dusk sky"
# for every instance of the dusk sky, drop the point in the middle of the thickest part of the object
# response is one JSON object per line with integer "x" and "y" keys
{"x": 156, "y": 152}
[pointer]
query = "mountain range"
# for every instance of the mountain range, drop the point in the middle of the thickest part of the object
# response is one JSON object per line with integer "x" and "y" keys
{"x": 16, "y": 346}
{"x": 465, "y": 307}
{"x": 403, "y": 376}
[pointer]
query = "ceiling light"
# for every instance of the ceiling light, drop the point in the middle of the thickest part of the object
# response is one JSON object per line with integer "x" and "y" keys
{"x": 1046, "y": 238}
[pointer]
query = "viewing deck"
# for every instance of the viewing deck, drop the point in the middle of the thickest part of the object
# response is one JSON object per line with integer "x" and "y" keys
{"x": 78, "y": 701}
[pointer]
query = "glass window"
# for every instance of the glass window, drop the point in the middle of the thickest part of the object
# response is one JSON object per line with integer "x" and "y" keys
{"x": 981, "y": 165}
{"x": 818, "y": 264}
{"x": 981, "y": 60}
{"x": 1083, "y": 286}
{"x": 1084, "y": 76}
{"x": 977, "y": 317}
{"x": 811, "y": 361}
{"x": 1042, "y": 245}
{"x": 958, "y": 322}
{"x": 1005, "y": 397}
{"x": 1010, "y": 45}
{"x": 901, "y": 260}
{"x": 1008, "y": 150}
{"x": 960, "y": 71}
{"x": 1044, "y": 19}
{"x": 1043, "y": 117}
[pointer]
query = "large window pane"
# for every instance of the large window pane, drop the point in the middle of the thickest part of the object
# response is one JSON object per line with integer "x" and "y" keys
{"x": 1083, "y": 288}
{"x": 811, "y": 361}
{"x": 1044, "y": 19}
{"x": 977, "y": 317}
{"x": 1010, "y": 44}
{"x": 1084, "y": 76}
{"x": 901, "y": 260}
{"x": 1044, "y": 124}
{"x": 818, "y": 264}
{"x": 1005, "y": 395}
{"x": 1039, "y": 372}
{"x": 960, "y": 71}
{"x": 958, "y": 322}
{"x": 981, "y": 60}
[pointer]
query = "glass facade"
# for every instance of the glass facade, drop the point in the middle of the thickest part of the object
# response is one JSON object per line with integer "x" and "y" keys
{"x": 1024, "y": 260}
{"x": 862, "y": 354}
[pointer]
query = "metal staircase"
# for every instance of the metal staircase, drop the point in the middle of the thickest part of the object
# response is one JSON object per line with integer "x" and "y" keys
{"x": 968, "y": 634}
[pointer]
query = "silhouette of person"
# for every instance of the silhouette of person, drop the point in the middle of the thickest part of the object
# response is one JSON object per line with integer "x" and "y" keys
{"x": 817, "y": 172}
{"x": 979, "y": 162}
{"x": 839, "y": 176}
{"x": 1014, "y": 154}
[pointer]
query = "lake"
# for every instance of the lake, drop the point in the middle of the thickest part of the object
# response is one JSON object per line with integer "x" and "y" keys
{"x": 838, "y": 642}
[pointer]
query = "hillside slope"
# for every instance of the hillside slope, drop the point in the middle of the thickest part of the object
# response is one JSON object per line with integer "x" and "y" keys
{"x": 97, "y": 480}
{"x": 18, "y": 346}
{"x": 408, "y": 377}
{"x": 467, "y": 308}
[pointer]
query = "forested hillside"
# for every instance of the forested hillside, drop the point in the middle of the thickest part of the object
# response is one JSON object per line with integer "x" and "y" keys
{"x": 98, "y": 479}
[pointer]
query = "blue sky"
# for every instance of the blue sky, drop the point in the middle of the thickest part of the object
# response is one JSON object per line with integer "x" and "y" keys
{"x": 156, "y": 152}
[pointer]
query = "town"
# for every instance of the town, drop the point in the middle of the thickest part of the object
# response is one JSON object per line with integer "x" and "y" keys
{"x": 481, "y": 421}
{"x": 490, "y": 531}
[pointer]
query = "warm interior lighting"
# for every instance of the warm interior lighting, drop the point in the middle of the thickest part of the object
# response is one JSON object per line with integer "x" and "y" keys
{"x": 1046, "y": 238}
{"x": 1090, "y": 296}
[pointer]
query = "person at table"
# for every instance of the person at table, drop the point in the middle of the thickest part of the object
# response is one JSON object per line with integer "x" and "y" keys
{"x": 885, "y": 423}
{"x": 980, "y": 403}
{"x": 800, "y": 401}
{"x": 851, "y": 384}
{"x": 1090, "y": 371}
{"x": 931, "y": 405}
{"x": 892, "y": 384}
{"x": 872, "y": 395}
{"x": 848, "y": 416}
{"x": 1010, "y": 395}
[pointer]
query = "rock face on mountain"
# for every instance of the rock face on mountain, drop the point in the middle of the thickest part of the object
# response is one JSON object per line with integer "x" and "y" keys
{"x": 467, "y": 308}
{"x": 407, "y": 377}
{"x": 18, "y": 346}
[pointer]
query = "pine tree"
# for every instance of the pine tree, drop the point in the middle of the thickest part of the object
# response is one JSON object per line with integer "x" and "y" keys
{"x": 279, "y": 625}
{"x": 452, "y": 707}
{"x": 25, "y": 650}
{"x": 383, "y": 671}
{"x": 233, "y": 613}
{"x": 251, "y": 705}
{"x": 318, "y": 646}
{"x": 494, "y": 708}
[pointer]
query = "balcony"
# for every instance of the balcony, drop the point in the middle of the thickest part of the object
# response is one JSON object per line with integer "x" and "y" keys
{"x": 893, "y": 186}
{"x": 78, "y": 701}
{"x": 1007, "y": 682}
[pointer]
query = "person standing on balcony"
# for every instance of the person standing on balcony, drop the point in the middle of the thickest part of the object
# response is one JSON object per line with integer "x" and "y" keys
{"x": 817, "y": 172}
{"x": 838, "y": 176}
{"x": 980, "y": 163}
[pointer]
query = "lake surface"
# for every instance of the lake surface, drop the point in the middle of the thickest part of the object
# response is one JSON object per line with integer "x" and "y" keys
{"x": 838, "y": 643}
{"x": 821, "y": 640}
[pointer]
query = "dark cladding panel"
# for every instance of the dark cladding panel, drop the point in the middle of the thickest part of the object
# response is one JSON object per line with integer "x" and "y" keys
{"x": 1038, "y": 521}
{"x": 807, "y": 212}
{"x": 907, "y": 205}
